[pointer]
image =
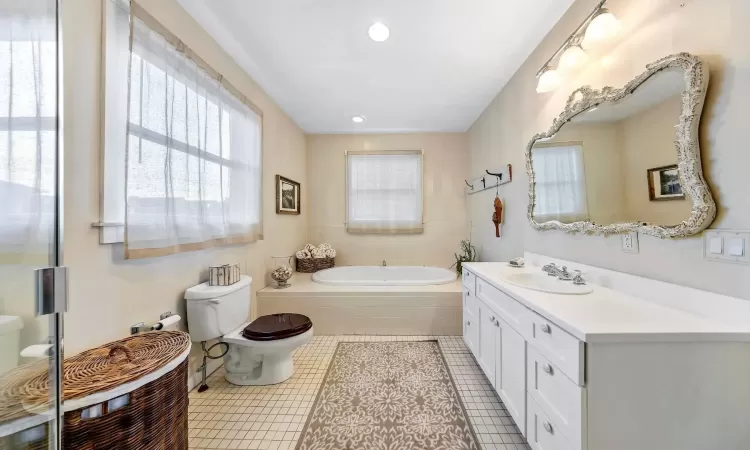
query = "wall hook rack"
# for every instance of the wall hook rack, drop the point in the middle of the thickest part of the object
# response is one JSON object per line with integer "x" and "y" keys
{"x": 491, "y": 180}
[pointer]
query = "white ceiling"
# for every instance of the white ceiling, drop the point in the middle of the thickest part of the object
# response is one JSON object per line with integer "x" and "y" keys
{"x": 443, "y": 64}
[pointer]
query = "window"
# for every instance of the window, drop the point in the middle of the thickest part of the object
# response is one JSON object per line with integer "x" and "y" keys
{"x": 384, "y": 192}
{"x": 188, "y": 165}
{"x": 560, "y": 182}
{"x": 28, "y": 127}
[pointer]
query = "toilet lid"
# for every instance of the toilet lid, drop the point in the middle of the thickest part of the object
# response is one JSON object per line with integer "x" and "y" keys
{"x": 277, "y": 326}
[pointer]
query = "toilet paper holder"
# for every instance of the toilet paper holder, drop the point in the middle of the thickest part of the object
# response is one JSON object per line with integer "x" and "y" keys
{"x": 165, "y": 319}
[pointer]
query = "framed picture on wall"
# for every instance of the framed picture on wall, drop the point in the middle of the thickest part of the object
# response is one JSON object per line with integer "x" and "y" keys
{"x": 664, "y": 184}
{"x": 287, "y": 196}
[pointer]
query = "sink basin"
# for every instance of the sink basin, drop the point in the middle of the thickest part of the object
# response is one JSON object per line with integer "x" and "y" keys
{"x": 545, "y": 283}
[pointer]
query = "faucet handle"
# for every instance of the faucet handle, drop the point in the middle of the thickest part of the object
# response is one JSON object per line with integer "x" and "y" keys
{"x": 578, "y": 279}
{"x": 564, "y": 274}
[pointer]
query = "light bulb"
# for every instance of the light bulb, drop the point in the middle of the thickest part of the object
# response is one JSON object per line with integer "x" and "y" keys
{"x": 549, "y": 81}
{"x": 604, "y": 26}
{"x": 573, "y": 58}
{"x": 379, "y": 32}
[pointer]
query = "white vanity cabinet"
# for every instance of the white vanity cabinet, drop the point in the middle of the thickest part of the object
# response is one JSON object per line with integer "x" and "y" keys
{"x": 501, "y": 354}
{"x": 607, "y": 371}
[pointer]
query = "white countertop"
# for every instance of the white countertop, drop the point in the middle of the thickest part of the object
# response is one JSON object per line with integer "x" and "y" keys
{"x": 606, "y": 315}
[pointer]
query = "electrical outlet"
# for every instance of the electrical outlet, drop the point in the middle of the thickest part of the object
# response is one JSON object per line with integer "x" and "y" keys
{"x": 630, "y": 242}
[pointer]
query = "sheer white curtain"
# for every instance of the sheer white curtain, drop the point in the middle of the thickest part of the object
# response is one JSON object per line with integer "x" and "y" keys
{"x": 193, "y": 154}
{"x": 384, "y": 192}
{"x": 28, "y": 122}
{"x": 560, "y": 182}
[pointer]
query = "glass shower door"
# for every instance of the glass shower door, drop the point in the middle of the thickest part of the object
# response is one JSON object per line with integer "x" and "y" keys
{"x": 32, "y": 285}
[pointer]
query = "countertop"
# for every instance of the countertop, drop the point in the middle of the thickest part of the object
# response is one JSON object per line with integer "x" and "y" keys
{"x": 606, "y": 316}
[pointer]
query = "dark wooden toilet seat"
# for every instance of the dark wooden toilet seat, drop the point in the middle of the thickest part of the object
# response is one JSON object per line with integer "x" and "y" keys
{"x": 277, "y": 326}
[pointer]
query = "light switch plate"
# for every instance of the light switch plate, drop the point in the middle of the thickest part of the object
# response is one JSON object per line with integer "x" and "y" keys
{"x": 727, "y": 246}
{"x": 716, "y": 245}
{"x": 630, "y": 242}
{"x": 737, "y": 246}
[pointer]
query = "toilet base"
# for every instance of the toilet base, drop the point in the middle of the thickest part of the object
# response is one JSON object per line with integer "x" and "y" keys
{"x": 256, "y": 363}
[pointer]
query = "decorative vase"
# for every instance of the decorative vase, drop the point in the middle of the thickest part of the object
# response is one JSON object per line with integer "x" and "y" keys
{"x": 282, "y": 271}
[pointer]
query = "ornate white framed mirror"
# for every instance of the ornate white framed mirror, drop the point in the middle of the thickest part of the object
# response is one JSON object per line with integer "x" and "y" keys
{"x": 628, "y": 159}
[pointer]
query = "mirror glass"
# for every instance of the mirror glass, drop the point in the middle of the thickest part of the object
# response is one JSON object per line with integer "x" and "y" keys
{"x": 616, "y": 162}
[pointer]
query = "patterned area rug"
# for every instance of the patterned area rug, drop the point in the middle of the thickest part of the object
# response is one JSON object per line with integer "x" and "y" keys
{"x": 388, "y": 396}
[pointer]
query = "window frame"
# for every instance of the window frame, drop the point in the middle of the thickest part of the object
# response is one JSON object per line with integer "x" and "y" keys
{"x": 394, "y": 227}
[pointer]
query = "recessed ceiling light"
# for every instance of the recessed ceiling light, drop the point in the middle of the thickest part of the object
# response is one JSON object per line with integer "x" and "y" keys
{"x": 358, "y": 119}
{"x": 378, "y": 32}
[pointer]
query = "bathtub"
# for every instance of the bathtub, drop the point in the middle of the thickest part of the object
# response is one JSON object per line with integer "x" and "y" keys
{"x": 384, "y": 276}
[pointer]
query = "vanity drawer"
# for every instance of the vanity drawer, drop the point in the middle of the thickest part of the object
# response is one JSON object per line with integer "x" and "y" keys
{"x": 562, "y": 400}
{"x": 470, "y": 301}
{"x": 561, "y": 348}
{"x": 469, "y": 280}
{"x": 511, "y": 311}
{"x": 542, "y": 432}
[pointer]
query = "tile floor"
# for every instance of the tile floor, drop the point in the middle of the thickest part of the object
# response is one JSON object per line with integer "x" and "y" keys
{"x": 272, "y": 417}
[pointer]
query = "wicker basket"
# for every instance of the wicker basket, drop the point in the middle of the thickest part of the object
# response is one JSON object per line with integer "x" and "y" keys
{"x": 312, "y": 265}
{"x": 140, "y": 415}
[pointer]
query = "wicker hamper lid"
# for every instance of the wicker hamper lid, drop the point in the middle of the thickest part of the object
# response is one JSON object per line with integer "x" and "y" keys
{"x": 100, "y": 369}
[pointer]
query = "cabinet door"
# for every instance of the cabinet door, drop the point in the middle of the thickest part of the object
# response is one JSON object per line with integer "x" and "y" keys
{"x": 511, "y": 373}
{"x": 471, "y": 331}
{"x": 487, "y": 340}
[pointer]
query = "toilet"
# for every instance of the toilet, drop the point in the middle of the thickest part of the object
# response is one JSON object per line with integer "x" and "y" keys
{"x": 259, "y": 353}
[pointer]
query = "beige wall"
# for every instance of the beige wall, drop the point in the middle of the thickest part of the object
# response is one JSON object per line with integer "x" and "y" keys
{"x": 446, "y": 162}
{"x": 107, "y": 293}
{"x": 714, "y": 30}
{"x": 648, "y": 142}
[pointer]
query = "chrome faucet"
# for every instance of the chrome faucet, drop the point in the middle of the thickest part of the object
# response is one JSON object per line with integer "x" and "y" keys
{"x": 554, "y": 271}
{"x": 384, "y": 264}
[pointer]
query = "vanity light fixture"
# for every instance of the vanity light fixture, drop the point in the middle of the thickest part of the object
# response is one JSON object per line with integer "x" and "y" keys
{"x": 378, "y": 32}
{"x": 603, "y": 26}
{"x": 358, "y": 119}
{"x": 549, "y": 81}
{"x": 572, "y": 58}
{"x": 599, "y": 26}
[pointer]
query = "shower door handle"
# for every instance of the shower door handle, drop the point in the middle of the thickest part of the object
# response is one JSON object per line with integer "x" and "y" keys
{"x": 51, "y": 289}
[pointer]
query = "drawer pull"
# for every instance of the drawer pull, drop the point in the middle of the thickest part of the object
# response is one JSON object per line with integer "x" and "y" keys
{"x": 546, "y": 328}
{"x": 548, "y": 427}
{"x": 468, "y": 323}
{"x": 492, "y": 319}
{"x": 547, "y": 368}
{"x": 468, "y": 293}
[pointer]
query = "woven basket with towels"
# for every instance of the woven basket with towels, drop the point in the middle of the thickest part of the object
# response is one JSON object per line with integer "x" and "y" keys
{"x": 312, "y": 259}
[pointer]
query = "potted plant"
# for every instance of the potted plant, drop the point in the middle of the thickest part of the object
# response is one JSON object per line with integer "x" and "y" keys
{"x": 468, "y": 254}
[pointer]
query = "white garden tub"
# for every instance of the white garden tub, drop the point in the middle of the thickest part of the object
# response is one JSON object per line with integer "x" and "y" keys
{"x": 384, "y": 276}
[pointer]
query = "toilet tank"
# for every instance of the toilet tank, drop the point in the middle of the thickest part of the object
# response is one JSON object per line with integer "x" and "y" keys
{"x": 213, "y": 311}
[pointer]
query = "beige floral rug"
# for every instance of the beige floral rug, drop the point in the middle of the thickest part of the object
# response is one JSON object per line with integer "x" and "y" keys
{"x": 388, "y": 396}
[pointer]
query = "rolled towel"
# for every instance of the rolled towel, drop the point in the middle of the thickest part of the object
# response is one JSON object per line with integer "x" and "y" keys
{"x": 317, "y": 253}
{"x": 309, "y": 248}
{"x": 330, "y": 253}
{"x": 324, "y": 246}
{"x": 302, "y": 254}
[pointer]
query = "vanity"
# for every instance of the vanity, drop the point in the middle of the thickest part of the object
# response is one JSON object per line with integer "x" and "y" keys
{"x": 609, "y": 370}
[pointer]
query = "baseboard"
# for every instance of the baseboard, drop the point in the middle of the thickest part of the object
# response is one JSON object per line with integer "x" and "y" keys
{"x": 195, "y": 379}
